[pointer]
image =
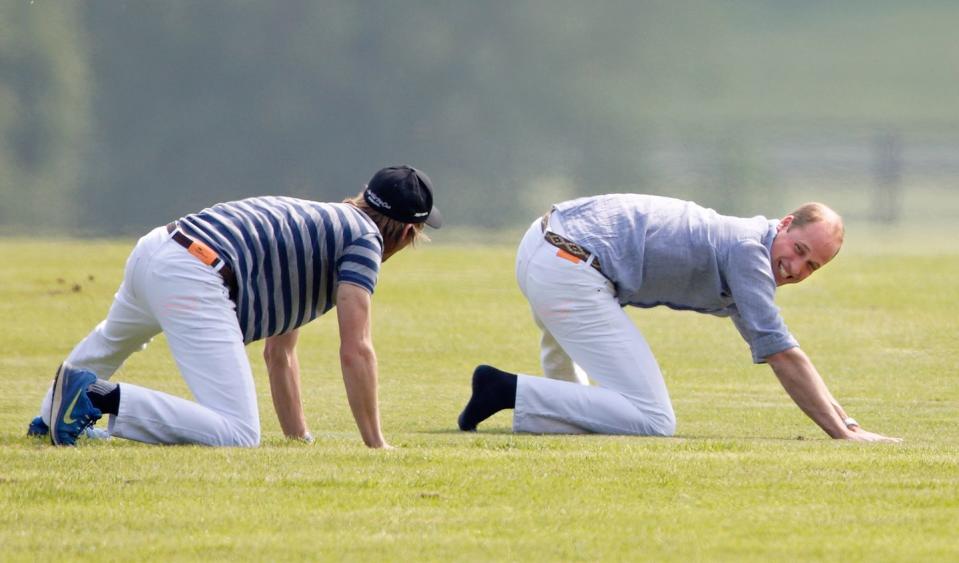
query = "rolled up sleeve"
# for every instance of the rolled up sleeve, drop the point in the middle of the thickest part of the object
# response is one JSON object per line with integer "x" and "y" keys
{"x": 755, "y": 312}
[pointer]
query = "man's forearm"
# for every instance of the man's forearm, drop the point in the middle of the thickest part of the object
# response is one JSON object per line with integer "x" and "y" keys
{"x": 283, "y": 367}
{"x": 285, "y": 390}
{"x": 805, "y": 386}
{"x": 360, "y": 379}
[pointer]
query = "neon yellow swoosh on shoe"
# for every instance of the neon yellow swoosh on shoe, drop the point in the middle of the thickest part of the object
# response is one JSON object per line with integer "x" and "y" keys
{"x": 67, "y": 419}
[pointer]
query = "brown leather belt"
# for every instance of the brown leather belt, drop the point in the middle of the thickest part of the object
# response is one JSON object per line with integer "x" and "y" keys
{"x": 205, "y": 254}
{"x": 572, "y": 249}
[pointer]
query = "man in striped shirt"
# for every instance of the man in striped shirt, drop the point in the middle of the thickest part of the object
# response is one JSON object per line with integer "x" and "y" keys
{"x": 226, "y": 276}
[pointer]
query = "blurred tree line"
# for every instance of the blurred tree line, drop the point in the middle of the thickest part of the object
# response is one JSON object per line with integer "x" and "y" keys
{"x": 119, "y": 115}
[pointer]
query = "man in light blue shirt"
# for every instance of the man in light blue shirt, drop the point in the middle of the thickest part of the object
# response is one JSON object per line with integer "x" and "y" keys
{"x": 587, "y": 258}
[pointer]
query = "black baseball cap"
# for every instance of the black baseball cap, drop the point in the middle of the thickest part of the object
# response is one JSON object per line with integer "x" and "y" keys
{"x": 405, "y": 194}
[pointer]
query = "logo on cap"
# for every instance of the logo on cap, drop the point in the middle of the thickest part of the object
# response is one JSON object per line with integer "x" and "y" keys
{"x": 376, "y": 201}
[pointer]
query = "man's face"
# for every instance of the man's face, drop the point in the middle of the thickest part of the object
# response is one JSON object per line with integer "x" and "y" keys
{"x": 797, "y": 252}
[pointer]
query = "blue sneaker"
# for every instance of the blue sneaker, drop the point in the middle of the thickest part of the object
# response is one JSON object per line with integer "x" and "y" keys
{"x": 71, "y": 411}
{"x": 38, "y": 428}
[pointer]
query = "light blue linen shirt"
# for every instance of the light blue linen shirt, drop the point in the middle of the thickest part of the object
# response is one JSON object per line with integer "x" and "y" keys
{"x": 664, "y": 251}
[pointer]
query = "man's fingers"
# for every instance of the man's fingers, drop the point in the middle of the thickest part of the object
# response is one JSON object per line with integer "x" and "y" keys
{"x": 865, "y": 436}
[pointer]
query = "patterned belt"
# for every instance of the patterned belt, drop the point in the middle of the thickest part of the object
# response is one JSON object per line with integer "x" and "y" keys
{"x": 205, "y": 254}
{"x": 565, "y": 245}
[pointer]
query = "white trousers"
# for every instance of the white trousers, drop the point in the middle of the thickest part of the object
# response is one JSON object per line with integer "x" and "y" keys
{"x": 167, "y": 289}
{"x": 585, "y": 331}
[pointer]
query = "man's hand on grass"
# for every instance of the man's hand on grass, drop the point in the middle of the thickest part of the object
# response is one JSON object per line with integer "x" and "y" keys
{"x": 859, "y": 435}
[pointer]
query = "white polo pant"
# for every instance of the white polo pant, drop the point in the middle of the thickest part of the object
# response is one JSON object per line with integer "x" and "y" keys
{"x": 167, "y": 289}
{"x": 585, "y": 331}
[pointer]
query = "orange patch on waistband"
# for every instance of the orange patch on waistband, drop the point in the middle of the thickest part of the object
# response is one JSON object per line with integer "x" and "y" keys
{"x": 567, "y": 256}
{"x": 203, "y": 253}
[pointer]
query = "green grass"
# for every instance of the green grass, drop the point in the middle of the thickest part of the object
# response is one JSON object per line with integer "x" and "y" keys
{"x": 747, "y": 477}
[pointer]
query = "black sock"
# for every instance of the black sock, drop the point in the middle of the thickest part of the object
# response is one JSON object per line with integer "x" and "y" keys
{"x": 493, "y": 391}
{"x": 105, "y": 396}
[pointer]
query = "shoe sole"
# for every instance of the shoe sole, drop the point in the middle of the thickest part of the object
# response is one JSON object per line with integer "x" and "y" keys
{"x": 55, "y": 405}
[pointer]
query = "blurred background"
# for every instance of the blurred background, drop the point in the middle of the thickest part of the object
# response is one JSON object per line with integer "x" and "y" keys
{"x": 116, "y": 116}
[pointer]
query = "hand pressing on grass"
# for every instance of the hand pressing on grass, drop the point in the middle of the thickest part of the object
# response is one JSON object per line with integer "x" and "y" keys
{"x": 856, "y": 433}
{"x": 807, "y": 389}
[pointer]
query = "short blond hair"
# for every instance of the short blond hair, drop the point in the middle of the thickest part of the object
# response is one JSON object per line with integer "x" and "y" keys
{"x": 815, "y": 212}
{"x": 391, "y": 229}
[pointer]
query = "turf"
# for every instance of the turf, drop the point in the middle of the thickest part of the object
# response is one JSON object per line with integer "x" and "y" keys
{"x": 747, "y": 477}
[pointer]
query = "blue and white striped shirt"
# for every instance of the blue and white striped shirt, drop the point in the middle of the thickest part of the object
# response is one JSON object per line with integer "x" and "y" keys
{"x": 288, "y": 255}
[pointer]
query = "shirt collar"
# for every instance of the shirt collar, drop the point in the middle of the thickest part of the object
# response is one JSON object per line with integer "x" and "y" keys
{"x": 770, "y": 235}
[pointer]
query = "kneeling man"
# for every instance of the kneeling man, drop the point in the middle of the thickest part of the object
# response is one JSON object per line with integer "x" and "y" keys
{"x": 586, "y": 259}
{"x": 223, "y": 277}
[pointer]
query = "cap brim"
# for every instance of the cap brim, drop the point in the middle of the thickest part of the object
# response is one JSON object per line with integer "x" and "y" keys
{"x": 435, "y": 218}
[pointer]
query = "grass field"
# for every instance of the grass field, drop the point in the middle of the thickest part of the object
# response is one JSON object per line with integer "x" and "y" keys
{"x": 747, "y": 477}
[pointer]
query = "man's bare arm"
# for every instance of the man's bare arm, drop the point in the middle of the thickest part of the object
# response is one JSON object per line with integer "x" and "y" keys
{"x": 283, "y": 367}
{"x": 358, "y": 361}
{"x": 807, "y": 389}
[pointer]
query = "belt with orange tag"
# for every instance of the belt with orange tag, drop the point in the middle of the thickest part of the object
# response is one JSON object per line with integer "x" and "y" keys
{"x": 207, "y": 255}
{"x": 568, "y": 249}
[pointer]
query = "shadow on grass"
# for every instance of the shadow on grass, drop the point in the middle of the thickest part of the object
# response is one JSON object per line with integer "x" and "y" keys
{"x": 677, "y": 437}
